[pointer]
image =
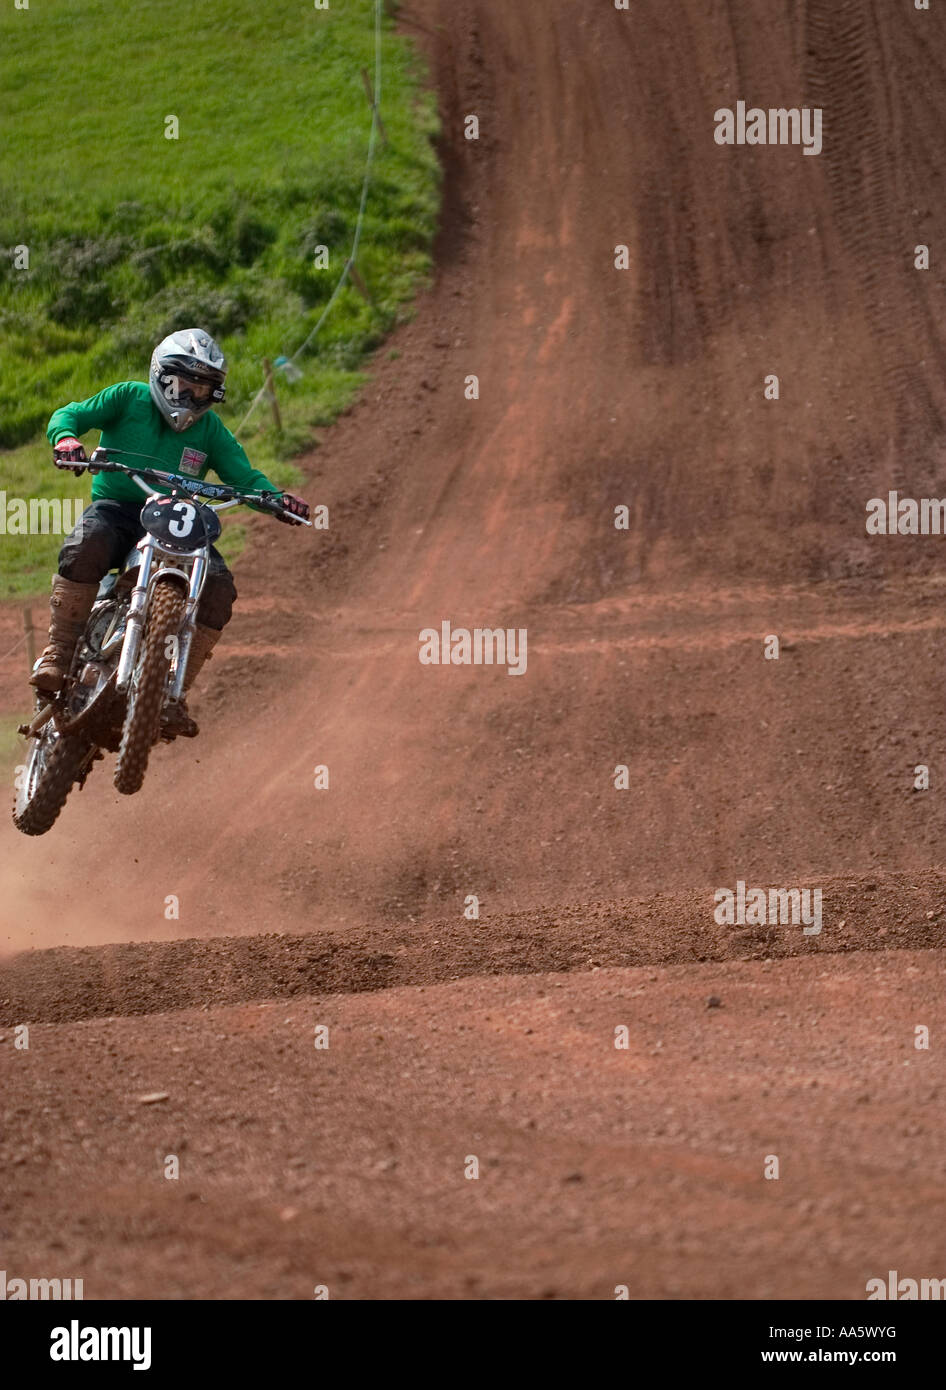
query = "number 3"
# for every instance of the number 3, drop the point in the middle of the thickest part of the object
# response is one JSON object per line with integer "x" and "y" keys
{"x": 185, "y": 525}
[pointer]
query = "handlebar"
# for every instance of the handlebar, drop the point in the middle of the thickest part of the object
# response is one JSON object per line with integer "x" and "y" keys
{"x": 100, "y": 462}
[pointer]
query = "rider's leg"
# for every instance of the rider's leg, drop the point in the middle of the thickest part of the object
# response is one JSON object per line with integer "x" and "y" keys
{"x": 202, "y": 647}
{"x": 213, "y": 613}
{"x": 104, "y": 534}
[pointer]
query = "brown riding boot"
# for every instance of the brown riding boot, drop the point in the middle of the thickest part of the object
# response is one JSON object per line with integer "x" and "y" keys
{"x": 69, "y": 608}
{"x": 177, "y": 722}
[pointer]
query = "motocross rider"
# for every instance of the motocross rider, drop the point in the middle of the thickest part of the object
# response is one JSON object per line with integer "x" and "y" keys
{"x": 170, "y": 418}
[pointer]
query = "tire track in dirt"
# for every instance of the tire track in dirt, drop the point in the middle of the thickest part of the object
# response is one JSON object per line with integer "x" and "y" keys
{"x": 857, "y": 72}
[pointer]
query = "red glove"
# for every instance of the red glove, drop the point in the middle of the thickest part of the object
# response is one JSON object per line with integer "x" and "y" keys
{"x": 296, "y": 507}
{"x": 68, "y": 453}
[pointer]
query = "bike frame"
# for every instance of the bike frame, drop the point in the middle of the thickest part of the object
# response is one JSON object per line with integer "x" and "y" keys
{"x": 190, "y": 570}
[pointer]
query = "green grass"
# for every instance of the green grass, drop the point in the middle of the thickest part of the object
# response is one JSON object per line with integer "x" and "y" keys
{"x": 131, "y": 235}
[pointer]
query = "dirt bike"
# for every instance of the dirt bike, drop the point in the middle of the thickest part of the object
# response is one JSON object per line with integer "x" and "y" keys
{"x": 129, "y": 665}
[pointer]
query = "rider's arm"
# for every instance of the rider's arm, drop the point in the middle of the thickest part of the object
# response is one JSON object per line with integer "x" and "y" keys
{"x": 229, "y": 461}
{"x": 74, "y": 419}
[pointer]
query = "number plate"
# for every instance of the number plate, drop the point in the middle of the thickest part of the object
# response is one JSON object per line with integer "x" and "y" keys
{"x": 180, "y": 525}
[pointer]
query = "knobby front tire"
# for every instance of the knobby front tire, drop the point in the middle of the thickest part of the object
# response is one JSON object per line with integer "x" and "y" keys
{"x": 146, "y": 698}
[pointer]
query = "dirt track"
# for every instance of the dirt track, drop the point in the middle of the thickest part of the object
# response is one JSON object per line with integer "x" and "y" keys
{"x": 598, "y": 387}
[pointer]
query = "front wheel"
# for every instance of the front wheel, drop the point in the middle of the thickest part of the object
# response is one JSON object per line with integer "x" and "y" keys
{"x": 55, "y": 764}
{"x": 149, "y": 688}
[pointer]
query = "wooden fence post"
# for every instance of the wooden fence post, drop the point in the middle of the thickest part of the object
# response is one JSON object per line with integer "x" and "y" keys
{"x": 30, "y": 636}
{"x": 359, "y": 284}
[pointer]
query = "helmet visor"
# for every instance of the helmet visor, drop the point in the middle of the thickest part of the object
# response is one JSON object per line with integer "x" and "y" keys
{"x": 186, "y": 390}
{"x": 200, "y": 390}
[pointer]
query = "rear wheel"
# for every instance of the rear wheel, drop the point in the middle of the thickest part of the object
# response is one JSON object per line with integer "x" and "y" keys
{"x": 149, "y": 688}
{"x": 55, "y": 764}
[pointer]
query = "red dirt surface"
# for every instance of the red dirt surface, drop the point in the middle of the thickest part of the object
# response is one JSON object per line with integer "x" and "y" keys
{"x": 345, "y": 1167}
{"x": 598, "y": 387}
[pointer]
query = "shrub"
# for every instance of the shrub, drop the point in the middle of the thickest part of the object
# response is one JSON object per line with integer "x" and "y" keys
{"x": 185, "y": 305}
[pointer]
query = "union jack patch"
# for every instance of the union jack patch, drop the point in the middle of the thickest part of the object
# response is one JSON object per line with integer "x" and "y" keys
{"x": 191, "y": 461}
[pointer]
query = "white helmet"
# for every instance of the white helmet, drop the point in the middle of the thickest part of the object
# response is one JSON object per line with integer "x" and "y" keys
{"x": 187, "y": 375}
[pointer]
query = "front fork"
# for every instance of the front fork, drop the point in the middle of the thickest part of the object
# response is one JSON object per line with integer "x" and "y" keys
{"x": 198, "y": 577}
{"x": 137, "y": 616}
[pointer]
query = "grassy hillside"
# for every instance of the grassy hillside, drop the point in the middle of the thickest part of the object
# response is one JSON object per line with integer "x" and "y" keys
{"x": 131, "y": 234}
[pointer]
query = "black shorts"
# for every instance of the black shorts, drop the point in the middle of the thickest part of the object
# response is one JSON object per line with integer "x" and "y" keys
{"x": 104, "y": 535}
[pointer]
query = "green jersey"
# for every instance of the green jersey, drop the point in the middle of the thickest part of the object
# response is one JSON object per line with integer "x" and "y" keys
{"x": 129, "y": 419}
